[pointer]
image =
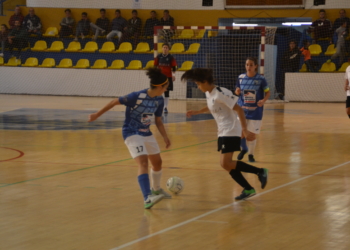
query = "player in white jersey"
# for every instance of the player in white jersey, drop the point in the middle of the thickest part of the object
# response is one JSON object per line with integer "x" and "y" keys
{"x": 141, "y": 106}
{"x": 347, "y": 89}
{"x": 223, "y": 106}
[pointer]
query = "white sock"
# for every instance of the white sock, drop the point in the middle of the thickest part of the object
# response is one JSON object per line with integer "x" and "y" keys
{"x": 251, "y": 147}
{"x": 166, "y": 101}
{"x": 156, "y": 176}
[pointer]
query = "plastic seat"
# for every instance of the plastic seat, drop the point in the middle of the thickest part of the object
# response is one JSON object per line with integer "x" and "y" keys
{"x": 212, "y": 33}
{"x": 100, "y": 64}
{"x": 117, "y": 64}
{"x": 125, "y": 47}
{"x": 303, "y": 68}
{"x": 150, "y": 64}
{"x": 13, "y": 62}
{"x": 56, "y": 46}
{"x": 73, "y": 47}
{"x": 328, "y": 67}
{"x": 344, "y": 67}
{"x": 200, "y": 34}
{"x": 107, "y": 47}
{"x": 187, "y": 34}
{"x": 40, "y": 46}
{"x": 82, "y": 64}
{"x": 177, "y": 48}
{"x": 31, "y": 62}
{"x": 48, "y": 63}
{"x": 51, "y": 32}
{"x": 193, "y": 49}
{"x": 142, "y": 48}
{"x": 65, "y": 63}
{"x": 330, "y": 50}
{"x": 186, "y": 65}
{"x": 135, "y": 64}
{"x": 315, "y": 49}
{"x": 90, "y": 47}
{"x": 1, "y": 61}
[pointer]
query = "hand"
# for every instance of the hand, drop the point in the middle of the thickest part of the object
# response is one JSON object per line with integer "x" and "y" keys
{"x": 347, "y": 87}
{"x": 10, "y": 40}
{"x": 167, "y": 142}
{"x": 173, "y": 78}
{"x": 248, "y": 135}
{"x": 261, "y": 103}
{"x": 190, "y": 113}
{"x": 93, "y": 117}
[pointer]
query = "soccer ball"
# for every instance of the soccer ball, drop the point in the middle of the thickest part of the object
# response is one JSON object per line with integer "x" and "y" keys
{"x": 175, "y": 185}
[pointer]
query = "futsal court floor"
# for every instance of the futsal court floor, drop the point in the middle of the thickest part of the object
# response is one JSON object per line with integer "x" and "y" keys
{"x": 68, "y": 184}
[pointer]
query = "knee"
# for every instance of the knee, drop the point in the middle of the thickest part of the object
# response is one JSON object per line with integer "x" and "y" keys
{"x": 225, "y": 165}
{"x": 251, "y": 137}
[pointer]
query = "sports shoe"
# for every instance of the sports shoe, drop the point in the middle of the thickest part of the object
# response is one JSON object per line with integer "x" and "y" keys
{"x": 251, "y": 158}
{"x": 246, "y": 194}
{"x": 241, "y": 154}
{"x": 152, "y": 199}
{"x": 165, "y": 110}
{"x": 263, "y": 177}
{"x": 161, "y": 191}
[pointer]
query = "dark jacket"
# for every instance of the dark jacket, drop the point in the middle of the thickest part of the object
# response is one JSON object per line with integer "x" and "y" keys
{"x": 103, "y": 23}
{"x": 169, "y": 22}
{"x": 119, "y": 24}
{"x": 32, "y": 22}
{"x": 84, "y": 25}
{"x": 3, "y": 36}
{"x": 134, "y": 25}
{"x": 20, "y": 33}
{"x": 291, "y": 60}
{"x": 14, "y": 18}
{"x": 149, "y": 26}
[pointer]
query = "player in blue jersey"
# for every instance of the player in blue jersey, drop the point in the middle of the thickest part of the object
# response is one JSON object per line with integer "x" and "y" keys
{"x": 141, "y": 107}
{"x": 253, "y": 92}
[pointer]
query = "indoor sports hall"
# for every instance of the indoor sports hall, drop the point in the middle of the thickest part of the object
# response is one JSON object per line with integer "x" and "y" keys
{"x": 66, "y": 183}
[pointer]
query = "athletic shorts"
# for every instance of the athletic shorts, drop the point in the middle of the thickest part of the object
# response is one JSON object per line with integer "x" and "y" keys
{"x": 142, "y": 145}
{"x": 254, "y": 126}
{"x": 229, "y": 144}
{"x": 348, "y": 102}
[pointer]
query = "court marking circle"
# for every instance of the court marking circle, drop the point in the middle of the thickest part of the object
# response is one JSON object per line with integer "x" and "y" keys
{"x": 19, "y": 156}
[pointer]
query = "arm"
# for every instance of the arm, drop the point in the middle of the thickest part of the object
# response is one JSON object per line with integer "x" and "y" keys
{"x": 238, "y": 91}
{"x": 243, "y": 121}
{"x": 347, "y": 85}
{"x": 162, "y": 131}
{"x": 262, "y": 102}
{"x": 197, "y": 112}
{"x": 110, "y": 105}
{"x": 63, "y": 23}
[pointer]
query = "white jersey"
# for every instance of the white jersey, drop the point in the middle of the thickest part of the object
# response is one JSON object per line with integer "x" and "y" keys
{"x": 220, "y": 102}
{"x": 347, "y": 77}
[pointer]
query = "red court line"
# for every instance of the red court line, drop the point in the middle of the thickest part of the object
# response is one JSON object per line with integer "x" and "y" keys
{"x": 20, "y": 154}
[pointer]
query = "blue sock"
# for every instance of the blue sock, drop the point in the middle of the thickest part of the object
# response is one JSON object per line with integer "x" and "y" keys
{"x": 244, "y": 144}
{"x": 144, "y": 185}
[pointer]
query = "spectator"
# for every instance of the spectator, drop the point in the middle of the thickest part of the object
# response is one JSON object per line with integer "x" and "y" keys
{"x": 17, "y": 16}
{"x": 67, "y": 24}
{"x": 150, "y": 23}
{"x": 118, "y": 25}
{"x": 83, "y": 27}
{"x": 322, "y": 27}
{"x": 167, "y": 20}
{"x": 32, "y": 23}
{"x": 133, "y": 28}
{"x": 342, "y": 17}
{"x": 342, "y": 33}
{"x": 17, "y": 39}
{"x": 310, "y": 64}
{"x": 3, "y": 38}
{"x": 101, "y": 26}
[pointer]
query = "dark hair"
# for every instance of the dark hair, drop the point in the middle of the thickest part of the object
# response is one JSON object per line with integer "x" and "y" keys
{"x": 153, "y": 12}
{"x": 166, "y": 44}
{"x": 166, "y": 11}
{"x": 343, "y": 10}
{"x": 118, "y": 11}
{"x": 134, "y": 11}
{"x": 199, "y": 75}
{"x": 68, "y": 11}
{"x": 322, "y": 10}
{"x": 292, "y": 41}
{"x": 254, "y": 59}
{"x": 103, "y": 10}
{"x": 84, "y": 13}
{"x": 6, "y": 28}
{"x": 156, "y": 77}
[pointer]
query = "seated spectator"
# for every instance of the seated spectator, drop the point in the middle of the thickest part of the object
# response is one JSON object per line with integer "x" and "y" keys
{"x": 17, "y": 16}
{"x": 342, "y": 33}
{"x": 101, "y": 26}
{"x": 133, "y": 28}
{"x": 118, "y": 25}
{"x": 167, "y": 20}
{"x": 17, "y": 38}
{"x": 67, "y": 24}
{"x": 32, "y": 23}
{"x": 4, "y": 32}
{"x": 322, "y": 27}
{"x": 150, "y": 23}
{"x": 338, "y": 22}
{"x": 83, "y": 27}
{"x": 310, "y": 64}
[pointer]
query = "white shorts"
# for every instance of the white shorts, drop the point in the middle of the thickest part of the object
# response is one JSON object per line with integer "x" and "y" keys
{"x": 142, "y": 145}
{"x": 254, "y": 126}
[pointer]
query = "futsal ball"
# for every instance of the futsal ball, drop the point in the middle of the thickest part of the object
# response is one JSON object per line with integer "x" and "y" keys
{"x": 175, "y": 185}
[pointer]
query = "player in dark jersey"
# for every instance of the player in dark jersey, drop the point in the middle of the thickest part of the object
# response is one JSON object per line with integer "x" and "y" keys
{"x": 168, "y": 66}
{"x": 141, "y": 107}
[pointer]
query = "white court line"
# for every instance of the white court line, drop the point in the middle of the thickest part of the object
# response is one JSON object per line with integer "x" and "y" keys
{"x": 223, "y": 207}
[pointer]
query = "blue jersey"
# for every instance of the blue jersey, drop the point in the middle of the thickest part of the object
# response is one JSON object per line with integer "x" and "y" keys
{"x": 139, "y": 113}
{"x": 252, "y": 90}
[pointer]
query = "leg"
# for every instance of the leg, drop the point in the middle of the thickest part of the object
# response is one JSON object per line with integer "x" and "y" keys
{"x": 156, "y": 171}
{"x": 251, "y": 143}
{"x": 111, "y": 35}
{"x": 2, "y": 48}
{"x": 244, "y": 148}
{"x": 96, "y": 30}
{"x": 348, "y": 106}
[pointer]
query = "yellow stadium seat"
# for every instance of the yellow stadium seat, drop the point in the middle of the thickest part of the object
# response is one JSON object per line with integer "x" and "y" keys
{"x": 303, "y": 68}
{"x": 117, "y": 64}
{"x": 125, "y": 47}
{"x": 31, "y": 62}
{"x": 90, "y": 47}
{"x": 160, "y": 47}
{"x": 186, "y": 34}
{"x": 212, "y": 33}
{"x": 1, "y": 61}
{"x": 82, "y": 64}
{"x": 177, "y": 48}
{"x": 330, "y": 50}
{"x": 142, "y": 48}
{"x": 48, "y": 63}
{"x": 186, "y": 65}
{"x": 100, "y": 64}
{"x": 328, "y": 67}
{"x": 65, "y": 63}
{"x": 73, "y": 47}
{"x": 13, "y": 61}
{"x": 40, "y": 46}
{"x": 135, "y": 64}
{"x": 56, "y": 46}
{"x": 107, "y": 47}
{"x": 150, "y": 64}
{"x": 51, "y": 32}
{"x": 200, "y": 34}
{"x": 344, "y": 67}
{"x": 315, "y": 49}
{"x": 193, "y": 49}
